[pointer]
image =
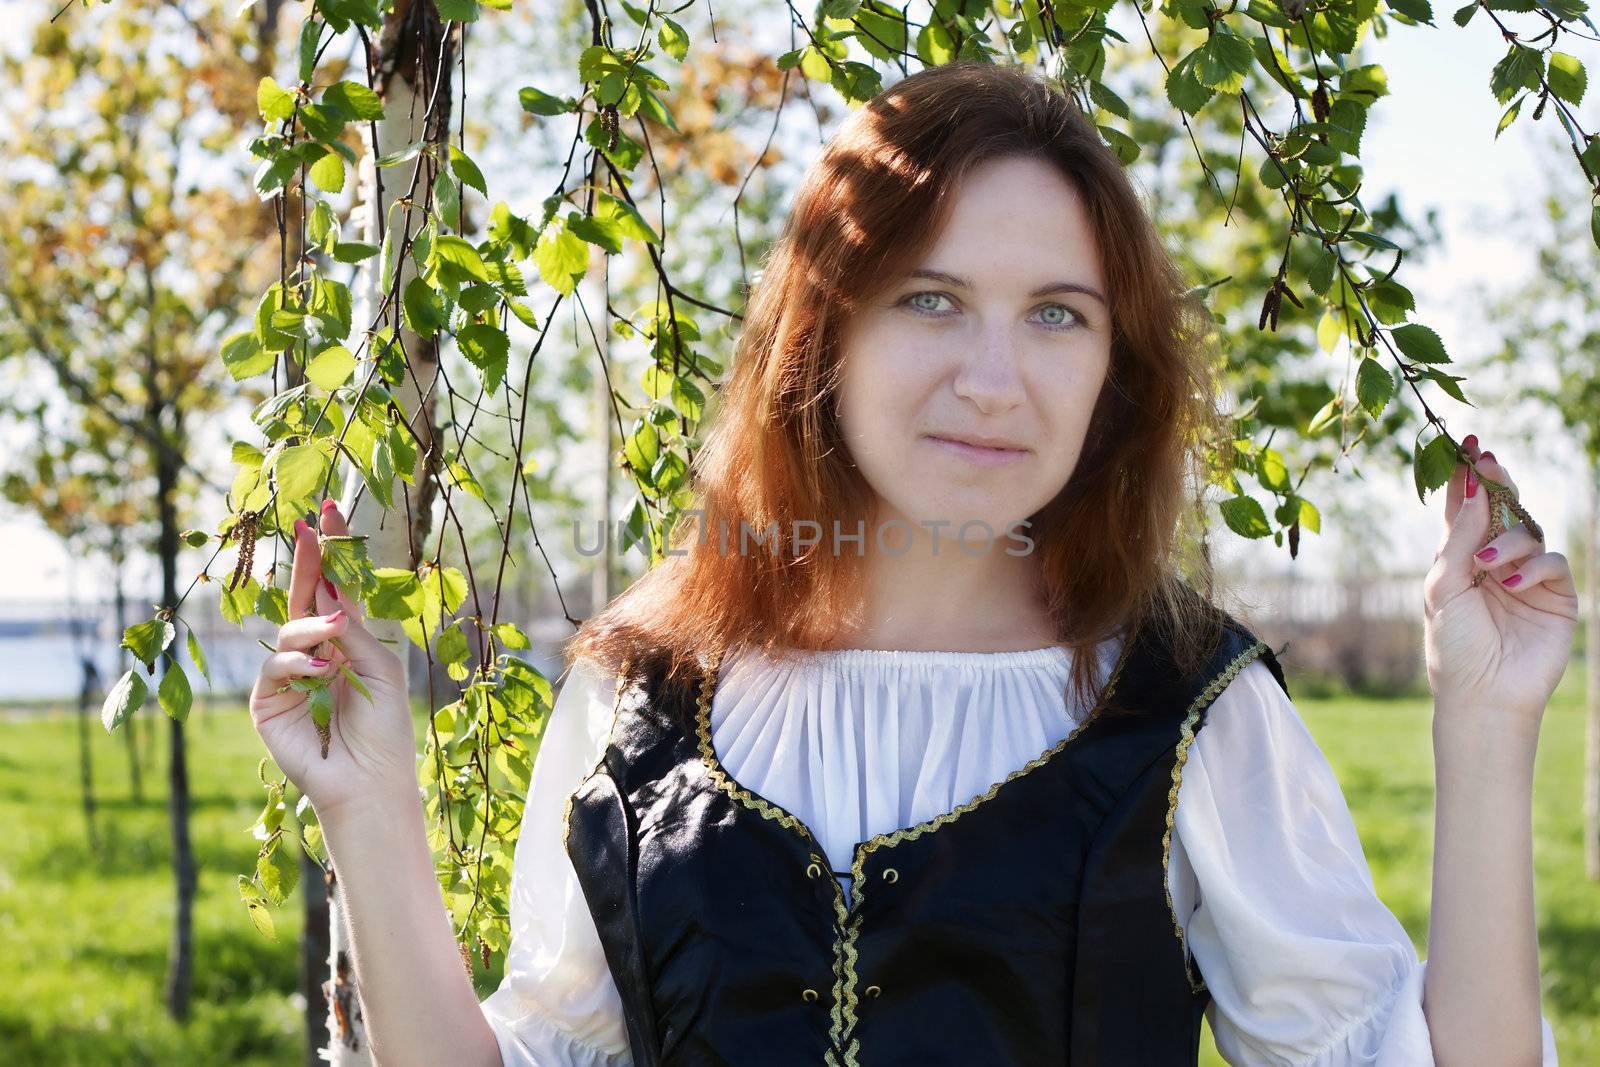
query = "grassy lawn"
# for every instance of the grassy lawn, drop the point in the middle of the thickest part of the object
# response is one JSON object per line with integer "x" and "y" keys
{"x": 88, "y": 937}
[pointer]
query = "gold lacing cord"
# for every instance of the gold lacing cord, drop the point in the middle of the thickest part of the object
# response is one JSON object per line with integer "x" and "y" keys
{"x": 1186, "y": 736}
{"x": 566, "y": 812}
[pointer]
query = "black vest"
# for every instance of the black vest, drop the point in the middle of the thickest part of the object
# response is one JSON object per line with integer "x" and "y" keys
{"x": 1030, "y": 925}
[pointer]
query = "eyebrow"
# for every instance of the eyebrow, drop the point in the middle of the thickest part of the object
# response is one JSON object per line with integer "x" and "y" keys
{"x": 1043, "y": 290}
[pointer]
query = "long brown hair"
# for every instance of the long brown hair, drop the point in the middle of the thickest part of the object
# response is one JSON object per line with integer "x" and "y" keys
{"x": 1113, "y": 540}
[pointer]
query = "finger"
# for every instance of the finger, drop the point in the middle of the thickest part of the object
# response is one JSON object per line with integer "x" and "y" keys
{"x": 1459, "y": 481}
{"x": 305, "y": 568}
{"x": 1548, "y": 571}
{"x": 303, "y": 634}
{"x": 329, "y": 596}
{"x": 1492, "y": 468}
{"x": 281, "y": 668}
{"x": 1453, "y": 566}
{"x": 1511, "y": 547}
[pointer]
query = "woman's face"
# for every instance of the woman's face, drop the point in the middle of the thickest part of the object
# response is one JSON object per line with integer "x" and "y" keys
{"x": 1000, "y": 335}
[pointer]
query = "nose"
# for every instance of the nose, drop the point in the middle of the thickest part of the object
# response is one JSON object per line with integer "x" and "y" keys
{"x": 990, "y": 375}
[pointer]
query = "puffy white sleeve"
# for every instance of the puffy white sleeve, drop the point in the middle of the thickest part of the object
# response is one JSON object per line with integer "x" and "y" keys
{"x": 1305, "y": 964}
{"x": 557, "y": 1005}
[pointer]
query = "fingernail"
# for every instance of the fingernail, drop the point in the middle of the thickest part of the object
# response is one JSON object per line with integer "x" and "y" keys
{"x": 1488, "y": 456}
{"x": 1472, "y": 482}
{"x": 328, "y": 504}
{"x": 336, "y": 616}
{"x": 1513, "y": 580}
{"x": 300, "y": 527}
{"x": 1488, "y": 554}
{"x": 1470, "y": 442}
{"x": 318, "y": 661}
{"x": 330, "y": 588}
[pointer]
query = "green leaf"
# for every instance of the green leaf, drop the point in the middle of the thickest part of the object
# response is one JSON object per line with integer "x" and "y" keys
{"x": 424, "y": 312}
{"x": 1272, "y": 471}
{"x": 451, "y": 645}
{"x": 1520, "y": 68}
{"x": 561, "y": 256}
{"x": 398, "y": 595}
{"x": 148, "y": 639}
{"x": 345, "y": 563}
{"x": 1224, "y": 61}
{"x": 355, "y": 680}
{"x": 245, "y": 357}
{"x": 1432, "y": 464}
{"x": 273, "y": 101}
{"x": 331, "y": 367}
{"x": 457, "y": 261}
{"x": 1184, "y": 90}
{"x": 125, "y": 698}
{"x": 1374, "y": 387}
{"x": 353, "y": 251}
{"x": 300, "y": 471}
{"x": 458, "y": 10}
{"x": 1420, "y": 343}
{"x": 672, "y": 38}
{"x": 1568, "y": 79}
{"x": 488, "y": 349}
{"x": 354, "y": 101}
{"x": 1244, "y": 516}
{"x": 198, "y": 656}
{"x": 510, "y": 636}
{"x": 446, "y": 198}
{"x": 257, "y": 906}
{"x": 464, "y": 168}
{"x": 537, "y": 102}
{"x": 320, "y": 699}
{"x": 327, "y": 173}
{"x": 174, "y": 693}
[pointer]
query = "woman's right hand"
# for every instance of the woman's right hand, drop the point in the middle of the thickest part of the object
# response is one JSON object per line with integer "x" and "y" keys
{"x": 372, "y": 749}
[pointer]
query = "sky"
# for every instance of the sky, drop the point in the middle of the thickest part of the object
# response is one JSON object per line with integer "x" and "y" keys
{"x": 1432, "y": 139}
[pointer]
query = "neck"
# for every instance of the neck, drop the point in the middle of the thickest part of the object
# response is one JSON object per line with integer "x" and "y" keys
{"x": 941, "y": 594}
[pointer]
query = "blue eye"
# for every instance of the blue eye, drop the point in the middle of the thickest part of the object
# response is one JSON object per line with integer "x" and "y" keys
{"x": 1072, "y": 319}
{"x": 1063, "y": 324}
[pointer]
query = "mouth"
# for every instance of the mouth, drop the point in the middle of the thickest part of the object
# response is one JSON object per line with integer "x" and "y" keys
{"x": 986, "y": 451}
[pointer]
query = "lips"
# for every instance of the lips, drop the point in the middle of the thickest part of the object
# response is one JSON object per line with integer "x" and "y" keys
{"x": 981, "y": 455}
{"x": 997, "y": 443}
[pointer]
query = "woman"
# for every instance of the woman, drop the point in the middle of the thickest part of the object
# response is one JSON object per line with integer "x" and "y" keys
{"x": 919, "y": 750}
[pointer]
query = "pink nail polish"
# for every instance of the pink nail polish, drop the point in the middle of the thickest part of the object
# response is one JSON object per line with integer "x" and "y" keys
{"x": 1472, "y": 483}
{"x": 1488, "y": 554}
{"x": 328, "y": 505}
{"x": 318, "y": 661}
{"x": 1513, "y": 580}
{"x": 336, "y": 616}
{"x": 1470, "y": 442}
{"x": 329, "y": 588}
{"x": 300, "y": 527}
{"x": 1487, "y": 455}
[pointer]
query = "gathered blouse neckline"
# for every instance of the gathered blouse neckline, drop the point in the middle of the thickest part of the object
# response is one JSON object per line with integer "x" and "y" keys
{"x": 835, "y": 659}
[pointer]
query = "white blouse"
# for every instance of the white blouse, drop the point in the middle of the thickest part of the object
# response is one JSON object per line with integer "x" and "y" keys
{"x": 1306, "y": 966}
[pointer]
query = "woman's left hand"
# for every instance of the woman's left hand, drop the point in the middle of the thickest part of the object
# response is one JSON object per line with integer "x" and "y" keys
{"x": 1495, "y": 650}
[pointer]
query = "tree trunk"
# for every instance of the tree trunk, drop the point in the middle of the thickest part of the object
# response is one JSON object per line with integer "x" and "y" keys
{"x": 130, "y": 735}
{"x": 180, "y": 954}
{"x": 598, "y": 282}
{"x": 1591, "y": 653}
{"x": 412, "y": 51}
{"x": 86, "y": 701}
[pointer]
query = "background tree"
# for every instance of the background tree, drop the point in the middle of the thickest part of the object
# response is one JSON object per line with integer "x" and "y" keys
{"x": 118, "y": 265}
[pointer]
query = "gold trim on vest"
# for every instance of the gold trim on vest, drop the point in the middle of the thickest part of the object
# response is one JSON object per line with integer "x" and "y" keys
{"x": 1186, "y": 736}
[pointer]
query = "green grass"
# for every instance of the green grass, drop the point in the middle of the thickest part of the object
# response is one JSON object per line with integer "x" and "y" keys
{"x": 87, "y": 936}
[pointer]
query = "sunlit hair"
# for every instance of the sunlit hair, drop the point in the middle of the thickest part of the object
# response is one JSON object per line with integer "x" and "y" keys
{"x": 1117, "y": 543}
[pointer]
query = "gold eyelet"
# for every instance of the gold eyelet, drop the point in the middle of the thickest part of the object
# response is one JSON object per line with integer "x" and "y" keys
{"x": 891, "y": 875}
{"x": 873, "y": 991}
{"x": 813, "y": 871}
{"x": 809, "y": 994}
